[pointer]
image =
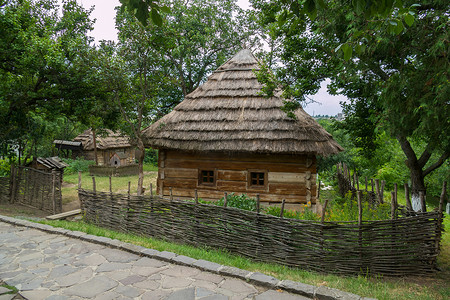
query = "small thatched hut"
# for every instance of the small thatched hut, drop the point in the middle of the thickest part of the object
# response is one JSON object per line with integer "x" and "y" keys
{"x": 228, "y": 137}
{"x": 113, "y": 149}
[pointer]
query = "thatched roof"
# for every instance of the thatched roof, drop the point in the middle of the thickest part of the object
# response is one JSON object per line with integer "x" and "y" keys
{"x": 229, "y": 113}
{"x": 107, "y": 140}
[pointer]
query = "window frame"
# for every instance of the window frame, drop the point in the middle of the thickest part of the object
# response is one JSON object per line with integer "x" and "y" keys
{"x": 257, "y": 186}
{"x": 200, "y": 177}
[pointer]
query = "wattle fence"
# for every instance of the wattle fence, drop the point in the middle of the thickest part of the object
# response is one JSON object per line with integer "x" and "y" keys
{"x": 397, "y": 247}
{"x": 34, "y": 188}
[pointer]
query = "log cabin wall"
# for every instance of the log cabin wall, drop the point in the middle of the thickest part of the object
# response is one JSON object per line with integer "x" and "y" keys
{"x": 289, "y": 177}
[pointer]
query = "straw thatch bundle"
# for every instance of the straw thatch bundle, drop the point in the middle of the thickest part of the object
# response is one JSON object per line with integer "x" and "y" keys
{"x": 107, "y": 140}
{"x": 229, "y": 113}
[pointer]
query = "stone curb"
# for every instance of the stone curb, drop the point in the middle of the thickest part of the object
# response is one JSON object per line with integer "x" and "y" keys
{"x": 320, "y": 293}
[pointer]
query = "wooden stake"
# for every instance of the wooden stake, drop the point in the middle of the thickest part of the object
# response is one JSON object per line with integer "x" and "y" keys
{"x": 377, "y": 186}
{"x": 395, "y": 194}
{"x": 371, "y": 181}
{"x": 366, "y": 183}
{"x": 357, "y": 183}
{"x": 318, "y": 191}
{"x": 383, "y": 183}
{"x": 257, "y": 203}
{"x": 94, "y": 188}
{"x": 323, "y": 210}
{"x": 196, "y": 196}
{"x": 408, "y": 200}
{"x": 151, "y": 190}
{"x": 54, "y": 191}
{"x": 171, "y": 195}
{"x": 393, "y": 206}
{"x": 359, "y": 195}
{"x": 110, "y": 184}
{"x": 129, "y": 187}
{"x": 79, "y": 180}
{"x": 282, "y": 208}
{"x": 225, "y": 199}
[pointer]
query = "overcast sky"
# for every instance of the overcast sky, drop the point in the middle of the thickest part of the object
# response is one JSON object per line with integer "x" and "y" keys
{"x": 104, "y": 29}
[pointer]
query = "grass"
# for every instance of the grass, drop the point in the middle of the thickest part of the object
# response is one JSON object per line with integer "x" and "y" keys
{"x": 119, "y": 184}
{"x": 433, "y": 287}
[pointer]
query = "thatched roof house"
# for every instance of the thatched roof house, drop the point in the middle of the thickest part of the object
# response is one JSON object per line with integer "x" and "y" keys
{"x": 229, "y": 134}
{"x": 113, "y": 149}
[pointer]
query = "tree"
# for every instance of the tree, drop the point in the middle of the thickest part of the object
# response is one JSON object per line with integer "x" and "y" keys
{"x": 397, "y": 79}
{"x": 161, "y": 64}
{"x": 47, "y": 70}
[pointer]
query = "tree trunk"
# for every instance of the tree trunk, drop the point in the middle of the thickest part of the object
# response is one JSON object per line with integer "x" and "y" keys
{"x": 417, "y": 186}
{"x": 141, "y": 166}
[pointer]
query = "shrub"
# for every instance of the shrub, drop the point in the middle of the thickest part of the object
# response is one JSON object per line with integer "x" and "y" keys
{"x": 239, "y": 201}
{"x": 77, "y": 165}
{"x": 5, "y": 167}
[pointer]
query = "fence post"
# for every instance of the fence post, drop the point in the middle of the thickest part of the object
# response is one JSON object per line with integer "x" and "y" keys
{"x": 151, "y": 190}
{"x": 408, "y": 200}
{"x": 94, "y": 188}
{"x": 282, "y": 208}
{"x": 110, "y": 184}
{"x": 395, "y": 194}
{"x": 171, "y": 195}
{"x": 377, "y": 186}
{"x": 79, "y": 180}
{"x": 54, "y": 191}
{"x": 322, "y": 219}
{"x": 257, "y": 203}
{"x": 318, "y": 191}
{"x": 366, "y": 183}
{"x": 12, "y": 184}
{"x": 196, "y": 196}
{"x": 371, "y": 182}
{"x": 129, "y": 188}
{"x": 225, "y": 199}
{"x": 441, "y": 214}
{"x": 360, "y": 211}
{"x": 393, "y": 205}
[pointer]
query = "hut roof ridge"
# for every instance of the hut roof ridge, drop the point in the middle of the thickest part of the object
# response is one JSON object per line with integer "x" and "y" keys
{"x": 229, "y": 113}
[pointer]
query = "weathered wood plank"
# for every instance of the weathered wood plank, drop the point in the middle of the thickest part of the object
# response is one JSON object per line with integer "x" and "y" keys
{"x": 64, "y": 215}
{"x": 285, "y": 177}
{"x": 232, "y": 175}
{"x": 181, "y": 173}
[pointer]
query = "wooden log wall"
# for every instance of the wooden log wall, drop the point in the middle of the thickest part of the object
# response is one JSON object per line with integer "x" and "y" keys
{"x": 399, "y": 247}
{"x": 288, "y": 177}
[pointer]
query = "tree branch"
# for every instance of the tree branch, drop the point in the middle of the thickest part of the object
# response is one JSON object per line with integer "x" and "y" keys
{"x": 437, "y": 164}
{"x": 407, "y": 149}
{"x": 425, "y": 157}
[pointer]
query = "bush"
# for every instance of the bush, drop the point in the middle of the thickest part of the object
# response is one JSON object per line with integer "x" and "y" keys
{"x": 151, "y": 157}
{"x": 239, "y": 201}
{"x": 77, "y": 165}
{"x": 5, "y": 167}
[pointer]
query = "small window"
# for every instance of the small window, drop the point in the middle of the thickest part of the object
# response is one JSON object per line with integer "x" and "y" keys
{"x": 257, "y": 179}
{"x": 206, "y": 177}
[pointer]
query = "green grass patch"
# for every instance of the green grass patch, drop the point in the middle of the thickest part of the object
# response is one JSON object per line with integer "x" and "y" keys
{"x": 433, "y": 287}
{"x": 13, "y": 289}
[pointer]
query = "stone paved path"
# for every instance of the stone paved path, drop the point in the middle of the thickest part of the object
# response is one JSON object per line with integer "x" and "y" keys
{"x": 52, "y": 266}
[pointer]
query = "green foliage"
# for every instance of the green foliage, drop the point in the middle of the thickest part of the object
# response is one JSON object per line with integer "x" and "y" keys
{"x": 151, "y": 156}
{"x": 77, "y": 165}
{"x": 238, "y": 201}
{"x": 5, "y": 167}
{"x": 305, "y": 214}
{"x": 346, "y": 209}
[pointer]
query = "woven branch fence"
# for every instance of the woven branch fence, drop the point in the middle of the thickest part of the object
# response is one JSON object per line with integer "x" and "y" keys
{"x": 398, "y": 247}
{"x": 31, "y": 187}
{"x": 4, "y": 189}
